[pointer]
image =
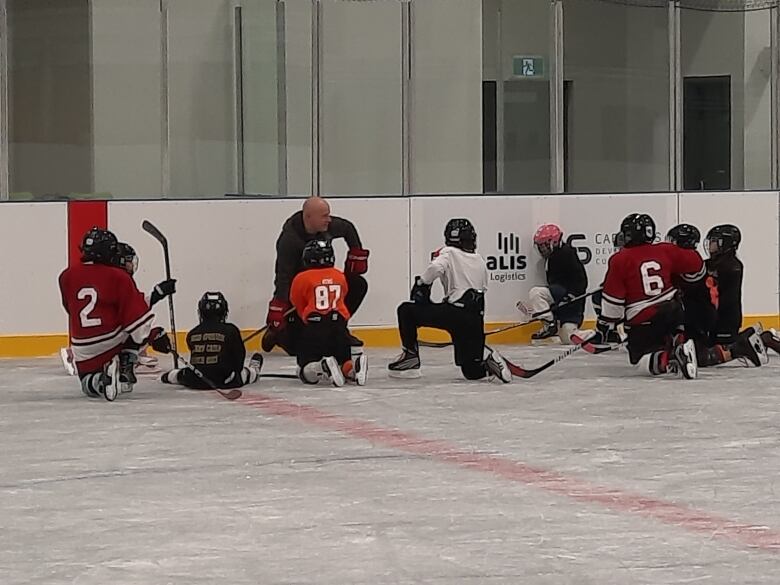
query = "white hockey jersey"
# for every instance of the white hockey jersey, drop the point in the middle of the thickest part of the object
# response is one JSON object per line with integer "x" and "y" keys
{"x": 459, "y": 271}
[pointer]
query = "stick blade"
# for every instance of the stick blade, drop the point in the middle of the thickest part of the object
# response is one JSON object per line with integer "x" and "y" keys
{"x": 152, "y": 230}
{"x": 234, "y": 394}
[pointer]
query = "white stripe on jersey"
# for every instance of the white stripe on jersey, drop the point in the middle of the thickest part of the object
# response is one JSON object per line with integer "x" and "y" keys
{"x": 82, "y": 353}
{"x": 634, "y": 309}
{"x": 97, "y": 338}
{"x": 695, "y": 276}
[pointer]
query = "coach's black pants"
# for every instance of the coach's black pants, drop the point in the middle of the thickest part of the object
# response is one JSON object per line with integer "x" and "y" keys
{"x": 465, "y": 327}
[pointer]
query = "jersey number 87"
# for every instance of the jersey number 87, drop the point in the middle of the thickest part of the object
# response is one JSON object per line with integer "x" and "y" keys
{"x": 326, "y": 296}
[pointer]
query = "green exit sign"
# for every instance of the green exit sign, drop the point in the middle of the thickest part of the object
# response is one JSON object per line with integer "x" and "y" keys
{"x": 527, "y": 66}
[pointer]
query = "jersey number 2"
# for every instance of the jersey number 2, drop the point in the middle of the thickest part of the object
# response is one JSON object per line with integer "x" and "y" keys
{"x": 91, "y": 294}
{"x": 652, "y": 281}
{"x": 326, "y": 296}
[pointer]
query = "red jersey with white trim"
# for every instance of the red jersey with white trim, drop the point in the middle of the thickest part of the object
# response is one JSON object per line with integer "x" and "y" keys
{"x": 104, "y": 308}
{"x": 639, "y": 278}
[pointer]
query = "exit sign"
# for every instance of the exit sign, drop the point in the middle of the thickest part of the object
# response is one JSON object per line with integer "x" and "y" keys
{"x": 527, "y": 66}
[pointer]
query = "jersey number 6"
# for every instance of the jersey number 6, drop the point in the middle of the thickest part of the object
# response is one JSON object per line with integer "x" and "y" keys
{"x": 652, "y": 281}
{"x": 326, "y": 296}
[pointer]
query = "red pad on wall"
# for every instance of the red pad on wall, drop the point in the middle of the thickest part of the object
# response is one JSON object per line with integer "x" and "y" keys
{"x": 83, "y": 215}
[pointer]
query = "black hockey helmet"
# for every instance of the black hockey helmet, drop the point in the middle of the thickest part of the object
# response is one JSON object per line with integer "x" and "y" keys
{"x": 318, "y": 254}
{"x": 684, "y": 235}
{"x": 637, "y": 228}
{"x": 722, "y": 238}
{"x": 460, "y": 233}
{"x": 99, "y": 245}
{"x": 126, "y": 258}
{"x": 213, "y": 306}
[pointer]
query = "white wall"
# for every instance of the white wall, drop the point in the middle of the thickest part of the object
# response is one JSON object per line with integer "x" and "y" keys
{"x": 28, "y": 288}
{"x": 229, "y": 246}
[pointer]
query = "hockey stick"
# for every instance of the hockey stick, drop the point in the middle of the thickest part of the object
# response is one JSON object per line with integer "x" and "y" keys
{"x": 150, "y": 228}
{"x": 527, "y": 319}
{"x": 526, "y": 373}
{"x": 257, "y": 332}
{"x": 528, "y": 316}
{"x": 233, "y": 394}
{"x": 286, "y": 376}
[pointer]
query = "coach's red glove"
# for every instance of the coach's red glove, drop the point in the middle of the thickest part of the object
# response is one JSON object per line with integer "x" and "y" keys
{"x": 276, "y": 310}
{"x": 357, "y": 261}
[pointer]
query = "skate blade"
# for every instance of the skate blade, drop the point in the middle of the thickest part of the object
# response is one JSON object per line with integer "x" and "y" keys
{"x": 412, "y": 374}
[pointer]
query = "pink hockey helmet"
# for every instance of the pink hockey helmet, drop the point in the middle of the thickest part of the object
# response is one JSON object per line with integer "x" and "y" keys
{"x": 547, "y": 238}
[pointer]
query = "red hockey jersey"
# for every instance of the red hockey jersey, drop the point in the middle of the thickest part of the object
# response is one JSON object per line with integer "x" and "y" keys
{"x": 640, "y": 277}
{"x": 104, "y": 308}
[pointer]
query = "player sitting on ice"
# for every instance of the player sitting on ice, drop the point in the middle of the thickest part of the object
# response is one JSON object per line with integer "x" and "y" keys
{"x": 638, "y": 288}
{"x": 702, "y": 305}
{"x": 464, "y": 275}
{"x": 216, "y": 350}
{"x": 126, "y": 258}
{"x": 566, "y": 279}
{"x": 109, "y": 318}
{"x": 325, "y": 352}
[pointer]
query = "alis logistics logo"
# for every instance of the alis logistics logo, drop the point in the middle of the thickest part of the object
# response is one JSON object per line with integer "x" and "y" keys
{"x": 508, "y": 264}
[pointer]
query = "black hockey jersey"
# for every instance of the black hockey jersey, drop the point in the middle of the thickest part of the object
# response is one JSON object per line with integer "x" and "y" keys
{"x": 727, "y": 272}
{"x": 217, "y": 351}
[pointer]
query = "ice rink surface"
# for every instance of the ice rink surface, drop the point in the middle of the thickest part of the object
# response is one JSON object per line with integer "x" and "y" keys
{"x": 587, "y": 474}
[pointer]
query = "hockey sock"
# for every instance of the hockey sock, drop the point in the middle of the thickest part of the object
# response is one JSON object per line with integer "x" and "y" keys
{"x": 171, "y": 377}
{"x": 712, "y": 356}
{"x": 656, "y": 363}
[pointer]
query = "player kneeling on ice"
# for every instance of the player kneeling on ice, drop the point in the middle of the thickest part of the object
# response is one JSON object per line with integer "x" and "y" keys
{"x": 317, "y": 293}
{"x": 108, "y": 316}
{"x": 216, "y": 350}
{"x": 566, "y": 279}
{"x": 464, "y": 275}
{"x": 126, "y": 258}
{"x": 638, "y": 287}
{"x": 713, "y": 308}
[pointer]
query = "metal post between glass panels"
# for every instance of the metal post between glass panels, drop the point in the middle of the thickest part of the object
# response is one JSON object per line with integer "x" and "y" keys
{"x": 4, "y": 186}
{"x": 675, "y": 99}
{"x": 556, "y": 102}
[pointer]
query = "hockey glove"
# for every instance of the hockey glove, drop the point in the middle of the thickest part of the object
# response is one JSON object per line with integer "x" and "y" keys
{"x": 276, "y": 310}
{"x": 160, "y": 341}
{"x": 421, "y": 292}
{"x": 162, "y": 290}
{"x": 605, "y": 326}
{"x": 357, "y": 261}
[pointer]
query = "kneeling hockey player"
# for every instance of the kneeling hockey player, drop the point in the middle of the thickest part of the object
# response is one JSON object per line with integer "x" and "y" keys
{"x": 638, "y": 288}
{"x": 703, "y": 305}
{"x": 108, "y": 316}
{"x": 464, "y": 275}
{"x": 326, "y": 352}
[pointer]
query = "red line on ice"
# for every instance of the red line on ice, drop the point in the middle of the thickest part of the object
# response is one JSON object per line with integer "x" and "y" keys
{"x": 690, "y": 519}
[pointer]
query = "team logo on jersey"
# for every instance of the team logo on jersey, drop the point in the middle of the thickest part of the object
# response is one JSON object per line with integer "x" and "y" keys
{"x": 508, "y": 264}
